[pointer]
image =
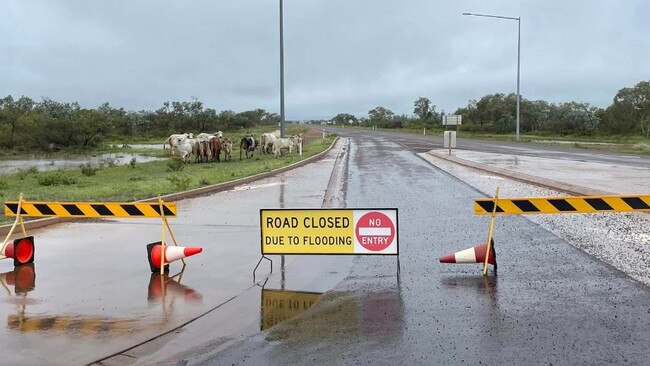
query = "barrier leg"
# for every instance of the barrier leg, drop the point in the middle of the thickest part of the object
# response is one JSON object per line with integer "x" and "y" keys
{"x": 162, "y": 239}
{"x": 19, "y": 220}
{"x": 490, "y": 230}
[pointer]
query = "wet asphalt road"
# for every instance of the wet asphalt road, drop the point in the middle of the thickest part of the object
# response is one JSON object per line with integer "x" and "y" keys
{"x": 550, "y": 304}
{"x": 423, "y": 143}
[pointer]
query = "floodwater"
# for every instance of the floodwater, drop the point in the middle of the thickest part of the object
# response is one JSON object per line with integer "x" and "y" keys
{"x": 42, "y": 164}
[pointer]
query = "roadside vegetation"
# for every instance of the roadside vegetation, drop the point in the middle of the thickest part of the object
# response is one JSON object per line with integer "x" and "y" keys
{"x": 134, "y": 181}
{"x": 56, "y": 130}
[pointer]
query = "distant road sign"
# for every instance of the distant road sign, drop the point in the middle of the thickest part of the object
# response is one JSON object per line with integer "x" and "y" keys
{"x": 452, "y": 120}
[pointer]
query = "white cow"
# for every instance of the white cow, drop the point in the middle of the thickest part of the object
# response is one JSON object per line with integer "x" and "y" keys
{"x": 266, "y": 142}
{"x": 284, "y": 143}
{"x": 204, "y": 135}
{"x": 182, "y": 148}
{"x": 173, "y": 139}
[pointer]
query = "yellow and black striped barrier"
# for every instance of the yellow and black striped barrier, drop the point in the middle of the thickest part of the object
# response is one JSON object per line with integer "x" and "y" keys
{"x": 90, "y": 209}
{"x": 557, "y": 205}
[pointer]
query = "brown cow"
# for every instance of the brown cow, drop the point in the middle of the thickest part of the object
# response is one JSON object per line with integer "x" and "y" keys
{"x": 215, "y": 147}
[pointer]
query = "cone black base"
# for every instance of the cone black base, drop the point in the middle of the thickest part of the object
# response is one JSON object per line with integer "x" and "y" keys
{"x": 21, "y": 250}
{"x": 155, "y": 267}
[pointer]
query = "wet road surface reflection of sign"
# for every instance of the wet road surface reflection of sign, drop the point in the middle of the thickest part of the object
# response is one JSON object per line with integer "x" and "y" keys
{"x": 329, "y": 231}
{"x": 278, "y": 305}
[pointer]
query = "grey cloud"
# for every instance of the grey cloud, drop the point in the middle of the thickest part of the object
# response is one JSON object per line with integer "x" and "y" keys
{"x": 340, "y": 56}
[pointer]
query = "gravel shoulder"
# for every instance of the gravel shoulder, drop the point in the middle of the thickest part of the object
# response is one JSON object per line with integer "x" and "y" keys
{"x": 618, "y": 239}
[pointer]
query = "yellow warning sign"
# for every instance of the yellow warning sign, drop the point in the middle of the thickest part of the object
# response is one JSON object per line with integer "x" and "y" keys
{"x": 329, "y": 231}
{"x": 556, "y": 205}
{"x": 278, "y": 305}
{"x": 89, "y": 209}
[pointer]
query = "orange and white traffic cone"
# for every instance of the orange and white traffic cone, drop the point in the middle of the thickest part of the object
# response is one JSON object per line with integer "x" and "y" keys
{"x": 21, "y": 250}
{"x": 172, "y": 253}
{"x": 472, "y": 255}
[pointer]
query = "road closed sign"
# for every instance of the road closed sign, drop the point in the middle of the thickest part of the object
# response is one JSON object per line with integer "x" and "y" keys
{"x": 329, "y": 231}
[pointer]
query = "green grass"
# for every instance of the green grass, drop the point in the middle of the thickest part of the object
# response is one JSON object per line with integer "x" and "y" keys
{"x": 145, "y": 180}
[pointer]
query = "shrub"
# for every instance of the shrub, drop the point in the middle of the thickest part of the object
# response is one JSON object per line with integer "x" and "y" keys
{"x": 55, "y": 178}
{"x": 88, "y": 170}
{"x": 175, "y": 165}
{"x": 180, "y": 182}
{"x": 23, "y": 173}
{"x": 111, "y": 162}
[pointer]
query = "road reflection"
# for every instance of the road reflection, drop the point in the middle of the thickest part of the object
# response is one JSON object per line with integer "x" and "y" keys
{"x": 22, "y": 279}
{"x": 279, "y": 305}
{"x": 165, "y": 288}
{"x": 76, "y": 325}
{"x": 19, "y": 282}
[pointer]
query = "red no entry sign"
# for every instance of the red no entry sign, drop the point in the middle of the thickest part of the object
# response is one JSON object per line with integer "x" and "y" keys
{"x": 375, "y": 231}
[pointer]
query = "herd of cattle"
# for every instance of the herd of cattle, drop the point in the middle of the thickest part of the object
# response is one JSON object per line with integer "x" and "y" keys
{"x": 208, "y": 147}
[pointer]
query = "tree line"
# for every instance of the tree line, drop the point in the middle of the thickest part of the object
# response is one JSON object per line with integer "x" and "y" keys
{"x": 629, "y": 114}
{"x": 26, "y": 124}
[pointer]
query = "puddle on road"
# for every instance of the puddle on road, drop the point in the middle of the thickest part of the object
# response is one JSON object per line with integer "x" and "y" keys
{"x": 22, "y": 280}
{"x": 86, "y": 328}
{"x": 32, "y": 317}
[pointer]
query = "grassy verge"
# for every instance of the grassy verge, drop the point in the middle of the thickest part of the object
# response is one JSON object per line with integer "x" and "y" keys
{"x": 142, "y": 180}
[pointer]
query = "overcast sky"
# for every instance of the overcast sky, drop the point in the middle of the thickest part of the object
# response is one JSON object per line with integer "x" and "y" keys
{"x": 340, "y": 55}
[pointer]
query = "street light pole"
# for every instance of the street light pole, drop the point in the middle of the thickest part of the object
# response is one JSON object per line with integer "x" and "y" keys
{"x": 281, "y": 70}
{"x": 518, "y": 19}
{"x": 518, "y": 68}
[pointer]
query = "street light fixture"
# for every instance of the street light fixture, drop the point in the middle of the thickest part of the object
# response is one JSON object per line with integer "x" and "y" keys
{"x": 518, "y": 19}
